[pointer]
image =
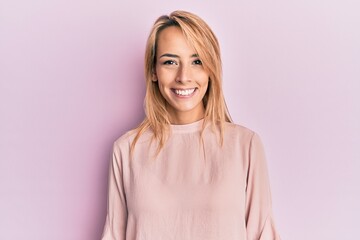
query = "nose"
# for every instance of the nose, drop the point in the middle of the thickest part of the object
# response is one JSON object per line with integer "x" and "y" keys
{"x": 183, "y": 74}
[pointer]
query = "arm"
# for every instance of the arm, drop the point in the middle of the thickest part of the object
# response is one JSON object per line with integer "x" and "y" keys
{"x": 259, "y": 218}
{"x": 116, "y": 219}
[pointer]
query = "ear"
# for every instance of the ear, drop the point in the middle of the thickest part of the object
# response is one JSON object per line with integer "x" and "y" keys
{"x": 154, "y": 76}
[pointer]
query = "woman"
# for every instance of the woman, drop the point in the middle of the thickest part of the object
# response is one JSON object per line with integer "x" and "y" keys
{"x": 187, "y": 172}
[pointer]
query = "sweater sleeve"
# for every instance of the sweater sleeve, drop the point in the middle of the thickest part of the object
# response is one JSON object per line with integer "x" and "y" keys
{"x": 259, "y": 217}
{"x": 116, "y": 219}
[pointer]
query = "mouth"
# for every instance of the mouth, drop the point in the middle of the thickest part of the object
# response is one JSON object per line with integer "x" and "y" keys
{"x": 184, "y": 92}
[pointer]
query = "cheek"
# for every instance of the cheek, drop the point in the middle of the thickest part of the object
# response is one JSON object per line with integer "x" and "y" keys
{"x": 203, "y": 77}
{"x": 164, "y": 77}
{"x": 204, "y": 87}
{"x": 205, "y": 82}
{"x": 162, "y": 89}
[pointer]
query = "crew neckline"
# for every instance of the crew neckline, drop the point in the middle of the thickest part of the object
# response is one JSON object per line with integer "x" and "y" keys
{"x": 189, "y": 127}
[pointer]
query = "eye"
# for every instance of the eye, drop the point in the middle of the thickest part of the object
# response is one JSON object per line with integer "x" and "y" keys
{"x": 169, "y": 62}
{"x": 197, "y": 62}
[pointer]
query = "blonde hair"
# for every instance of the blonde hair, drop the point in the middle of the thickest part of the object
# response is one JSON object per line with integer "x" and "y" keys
{"x": 205, "y": 43}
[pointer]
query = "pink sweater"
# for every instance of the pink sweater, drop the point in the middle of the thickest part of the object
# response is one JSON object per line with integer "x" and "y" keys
{"x": 193, "y": 190}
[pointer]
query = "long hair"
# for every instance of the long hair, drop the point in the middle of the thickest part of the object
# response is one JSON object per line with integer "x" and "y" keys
{"x": 201, "y": 37}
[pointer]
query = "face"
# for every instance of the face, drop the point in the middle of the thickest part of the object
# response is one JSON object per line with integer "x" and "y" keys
{"x": 181, "y": 77}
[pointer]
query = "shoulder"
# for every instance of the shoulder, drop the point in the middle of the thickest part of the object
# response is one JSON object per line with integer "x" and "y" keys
{"x": 233, "y": 132}
{"x": 237, "y": 129}
{"x": 125, "y": 140}
{"x": 247, "y": 138}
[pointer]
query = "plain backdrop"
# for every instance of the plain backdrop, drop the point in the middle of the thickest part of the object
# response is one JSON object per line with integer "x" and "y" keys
{"x": 71, "y": 83}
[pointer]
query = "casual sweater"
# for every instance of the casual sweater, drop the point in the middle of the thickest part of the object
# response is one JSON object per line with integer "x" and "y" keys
{"x": 193, "y": 189}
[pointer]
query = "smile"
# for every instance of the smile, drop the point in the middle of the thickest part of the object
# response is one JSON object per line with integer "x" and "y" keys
{"x": 184, "y": 92}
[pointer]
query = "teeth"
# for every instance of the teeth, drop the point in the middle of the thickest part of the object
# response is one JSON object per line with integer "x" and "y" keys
{"x": 184, "y": 92}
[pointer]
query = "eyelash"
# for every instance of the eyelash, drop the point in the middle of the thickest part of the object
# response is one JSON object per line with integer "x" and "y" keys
{"x": 171, "y": 62}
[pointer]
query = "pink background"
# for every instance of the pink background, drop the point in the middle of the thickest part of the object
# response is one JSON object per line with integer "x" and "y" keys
{"x": 71, "y": 82}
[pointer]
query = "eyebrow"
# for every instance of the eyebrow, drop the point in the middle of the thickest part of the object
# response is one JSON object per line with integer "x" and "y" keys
{"x": 176, "y": 56}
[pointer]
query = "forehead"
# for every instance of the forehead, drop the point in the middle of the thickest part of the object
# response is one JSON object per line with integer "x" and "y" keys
{"x": 173, "y": 40}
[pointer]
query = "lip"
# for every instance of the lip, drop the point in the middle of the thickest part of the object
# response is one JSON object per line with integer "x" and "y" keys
{"x": 183, "y": 89}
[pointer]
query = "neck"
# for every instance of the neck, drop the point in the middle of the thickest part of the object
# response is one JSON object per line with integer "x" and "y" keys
{"x": 181, "y": 118}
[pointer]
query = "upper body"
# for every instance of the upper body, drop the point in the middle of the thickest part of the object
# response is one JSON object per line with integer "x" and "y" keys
{"x": 186, "y": 172}
{"x": 194, "y": 189}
